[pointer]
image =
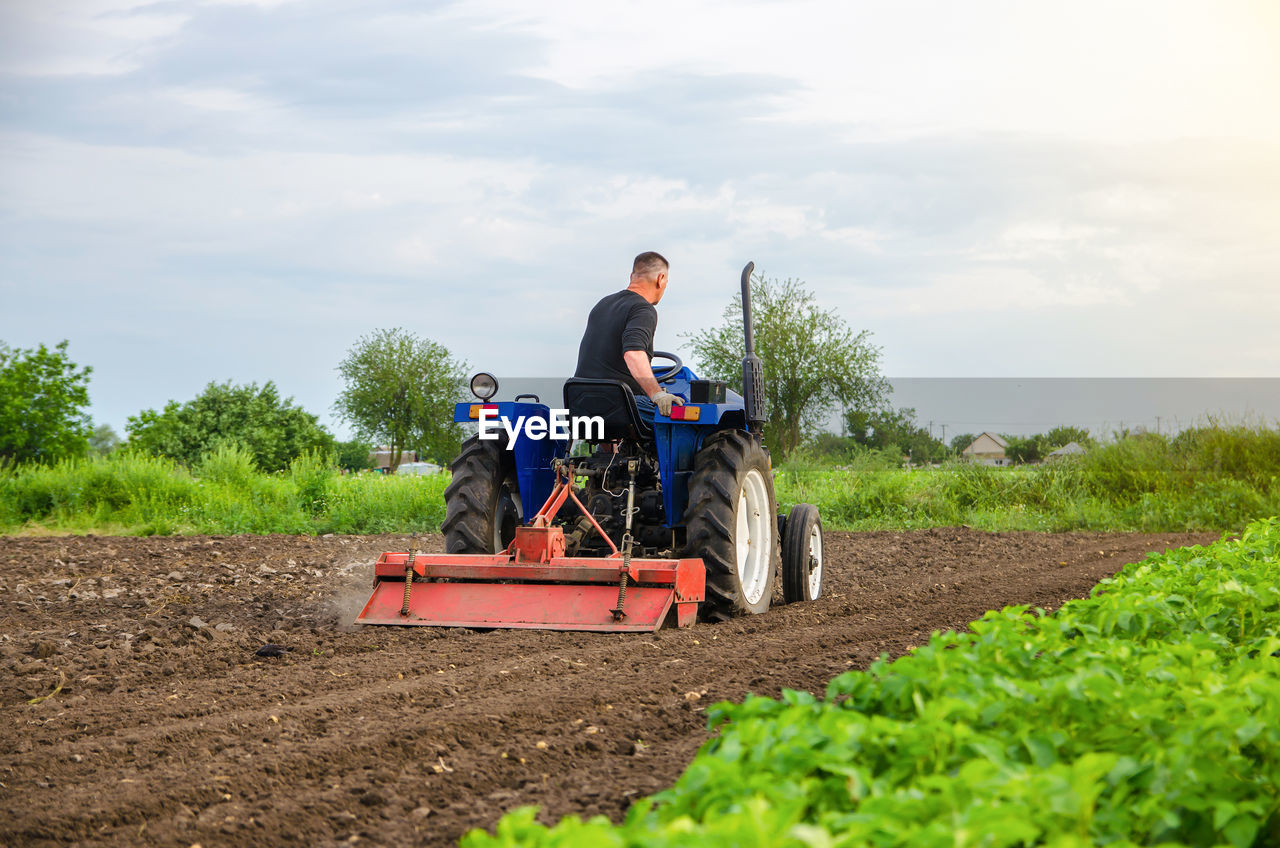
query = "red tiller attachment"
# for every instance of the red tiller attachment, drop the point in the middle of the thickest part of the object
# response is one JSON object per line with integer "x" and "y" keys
{"x": 566, "y": 593}
{"x": 534, "y": 585}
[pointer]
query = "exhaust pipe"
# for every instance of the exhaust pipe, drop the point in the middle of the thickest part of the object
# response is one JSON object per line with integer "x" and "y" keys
{"x": 752, "y": 367}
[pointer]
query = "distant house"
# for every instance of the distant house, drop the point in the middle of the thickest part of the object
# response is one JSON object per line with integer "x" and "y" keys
{"x": 380, "y": 459}
{"x": 987, "y": 449}
{"x": 1068, "y": 450}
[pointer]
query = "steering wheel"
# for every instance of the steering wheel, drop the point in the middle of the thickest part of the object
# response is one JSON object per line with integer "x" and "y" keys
{"x": 671, "y": 371}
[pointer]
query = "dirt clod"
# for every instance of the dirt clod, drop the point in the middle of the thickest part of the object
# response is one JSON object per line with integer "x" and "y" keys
{"x": 43, "y": 650}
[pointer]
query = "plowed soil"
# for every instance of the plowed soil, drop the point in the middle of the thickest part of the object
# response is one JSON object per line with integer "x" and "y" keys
{"x": 134, "y": 709}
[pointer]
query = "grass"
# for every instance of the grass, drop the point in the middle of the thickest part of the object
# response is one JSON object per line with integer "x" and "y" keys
{"x": 131, "y": 494}
{"x": 1212, "y": 479}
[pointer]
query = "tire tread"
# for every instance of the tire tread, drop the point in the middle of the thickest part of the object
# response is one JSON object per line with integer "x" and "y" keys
{"x": 709, "y": 519}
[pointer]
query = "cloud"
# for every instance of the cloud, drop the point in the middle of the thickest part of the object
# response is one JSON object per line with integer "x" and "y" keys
{"x": 248, "y": 187}
{"x": 82, "y": 38}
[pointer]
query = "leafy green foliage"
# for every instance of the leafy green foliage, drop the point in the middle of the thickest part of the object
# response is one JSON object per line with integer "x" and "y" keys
{"x": 43, "y": 395}
{"x": 1218, "y": 480}
{"x": 353, "y": 455}
{"x": 1024, "y": 449}
{"x": 1035, "y": 448}
{"x": 1065, "y": 435}
{"x": 228, "y": 464}
{"x": 312, "y": 475}
{"x": 272, "y": 430}
{"x": 1153, "y": 462}
{"x": 1146, "y": 714}
{"x": 1214, "y": 478}
{"x": 103, "y": 440}
{"x": 400, "y": 391}
{"x": 826, "y": 450}
{"x": 887, "y": 428}
{"x": 129, "y": 492}
{"x": 813, "y": 362}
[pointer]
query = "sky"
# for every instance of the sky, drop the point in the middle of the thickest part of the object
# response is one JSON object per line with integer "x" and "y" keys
{"x": 210, "y": 191}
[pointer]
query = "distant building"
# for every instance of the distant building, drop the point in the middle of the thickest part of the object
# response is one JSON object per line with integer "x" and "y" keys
{"x": 380, "y": 459}
{"x": 987, "y": 449}
{"x": 419, "y": 468}
{"x": 1068, "y": 450}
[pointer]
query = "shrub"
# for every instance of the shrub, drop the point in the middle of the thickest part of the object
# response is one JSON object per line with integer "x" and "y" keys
{"x": 312, "y": 474}
{"x": 228, "y": 464}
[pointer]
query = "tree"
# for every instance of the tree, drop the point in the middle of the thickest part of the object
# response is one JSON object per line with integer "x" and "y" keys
{"x": 43, "y": 395}
{"x": 400, "y": 391}
{"x": 813, "y": 362}
{"x": 1059, "y": 436}
{"x": 103, "y": 440}
{"x": 1038, "y": 446}
{"x": 1023, "y": 449}
{"x": 899, "y": 429}
{"x": 962, "y": 441}
{"x": 353, "y": 455}
{"x": 275, "y": 431}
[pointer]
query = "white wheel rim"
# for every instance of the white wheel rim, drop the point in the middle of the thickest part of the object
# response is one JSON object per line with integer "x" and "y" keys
{"x": 815, "y": 562}
{"x": 754, "y": 537}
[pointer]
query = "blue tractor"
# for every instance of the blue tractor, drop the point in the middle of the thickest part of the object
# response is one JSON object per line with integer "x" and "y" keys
{"x": 681, "y": 513}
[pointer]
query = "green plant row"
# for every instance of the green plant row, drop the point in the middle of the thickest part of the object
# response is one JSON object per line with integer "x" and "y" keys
{"x": 1148, "y": 714}
{"x": 1220, "y": 482}
{"x": 128, "y": 493}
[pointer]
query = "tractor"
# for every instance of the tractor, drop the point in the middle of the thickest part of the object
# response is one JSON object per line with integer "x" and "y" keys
{"x": 671, "y": 521}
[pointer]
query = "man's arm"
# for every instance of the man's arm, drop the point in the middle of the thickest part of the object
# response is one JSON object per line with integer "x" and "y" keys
{"x": 638, "y": 364}
{"x": 637, "y": 341}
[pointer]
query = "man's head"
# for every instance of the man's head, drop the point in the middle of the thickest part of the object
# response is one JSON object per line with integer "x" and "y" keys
{"x": 649, "y": 276}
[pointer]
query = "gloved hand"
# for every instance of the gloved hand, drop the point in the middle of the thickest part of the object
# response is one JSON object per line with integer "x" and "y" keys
{"x": 664, "y": 402}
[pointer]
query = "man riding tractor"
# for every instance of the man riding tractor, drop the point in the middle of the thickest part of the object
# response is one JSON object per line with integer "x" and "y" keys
{"x": 618, "y": 342}
{"x": 663, "y": 512}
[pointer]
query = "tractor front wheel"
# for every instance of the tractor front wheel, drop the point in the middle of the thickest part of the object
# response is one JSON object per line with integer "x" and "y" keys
{"x": 482, "y": 503}
{"x": 802, "y": 555}
{"x": 730, "y": 523}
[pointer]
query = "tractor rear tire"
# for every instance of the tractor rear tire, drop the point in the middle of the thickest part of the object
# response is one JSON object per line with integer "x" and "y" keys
{"x": 482, "y": 503}
{"x": 731, "y": 524}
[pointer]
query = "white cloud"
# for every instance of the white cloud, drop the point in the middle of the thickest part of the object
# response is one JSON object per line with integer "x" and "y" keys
{"x": 82, "y": 37}
{"x": 217, "y": 99}
{"x": 991, "y": 188}
{"x": 1095, "y": 69}
{"x": 262, "y": 4}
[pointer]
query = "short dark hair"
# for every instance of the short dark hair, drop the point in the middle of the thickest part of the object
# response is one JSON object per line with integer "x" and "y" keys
{"x": 649, "y": 263}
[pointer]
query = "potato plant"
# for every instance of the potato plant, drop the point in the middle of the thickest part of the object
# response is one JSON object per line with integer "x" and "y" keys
{"x": 1146, "y": 714}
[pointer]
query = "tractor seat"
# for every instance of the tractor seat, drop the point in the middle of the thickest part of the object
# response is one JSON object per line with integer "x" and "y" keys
{"x": 611, "y": 400}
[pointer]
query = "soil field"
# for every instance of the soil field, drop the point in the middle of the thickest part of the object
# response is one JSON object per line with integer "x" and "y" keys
{"x": 134, "y": 710}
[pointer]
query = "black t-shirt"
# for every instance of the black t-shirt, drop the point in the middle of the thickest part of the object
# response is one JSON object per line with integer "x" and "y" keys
{"x": 620, "y": 322}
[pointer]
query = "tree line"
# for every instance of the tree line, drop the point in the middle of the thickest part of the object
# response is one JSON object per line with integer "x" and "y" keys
{"x": 399, "y": 390}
